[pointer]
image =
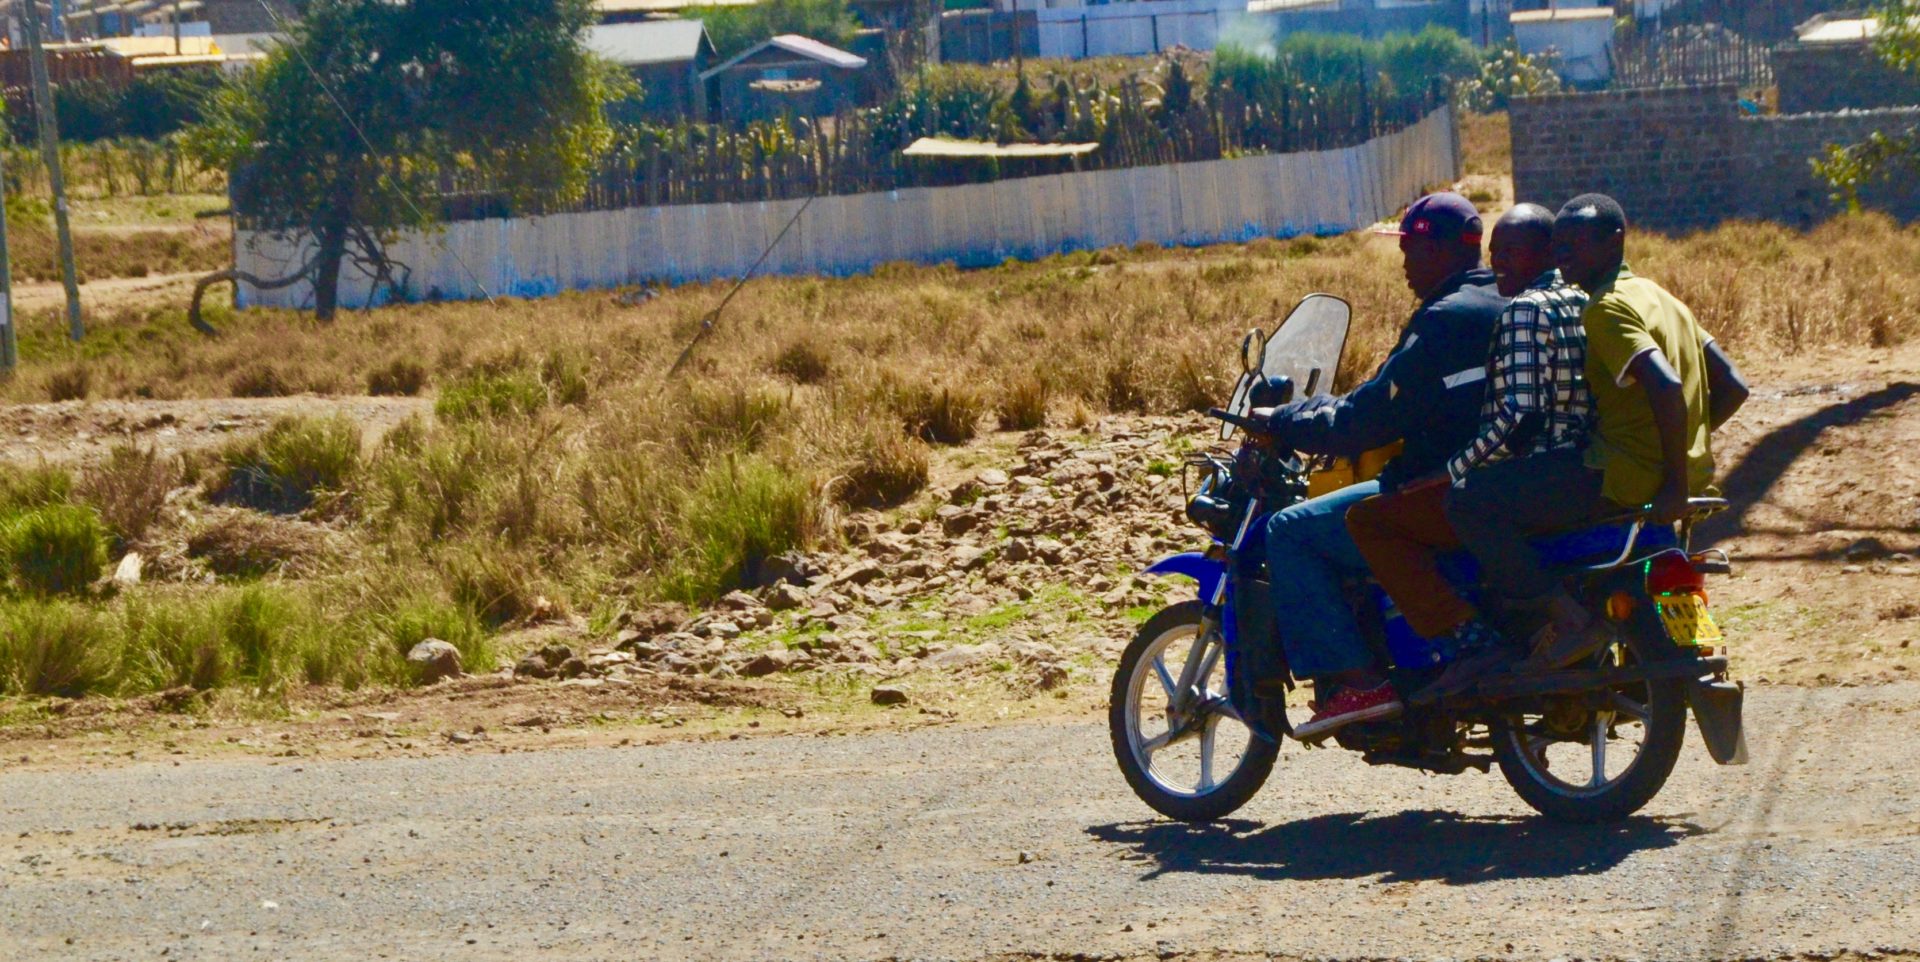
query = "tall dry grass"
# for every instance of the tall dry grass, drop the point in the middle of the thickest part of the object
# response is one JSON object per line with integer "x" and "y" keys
{"x": 564, "y": 472}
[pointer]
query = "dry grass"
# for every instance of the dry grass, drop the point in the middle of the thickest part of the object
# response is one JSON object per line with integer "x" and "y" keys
{"x": 565, "y": 472}
{"x": 130, "y": 489}
{"x": 118, "y": 252}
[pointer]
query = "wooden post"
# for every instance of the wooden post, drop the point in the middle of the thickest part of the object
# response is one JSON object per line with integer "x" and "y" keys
{"x": 50, "y": 147}
{"x": 9, "y": 346}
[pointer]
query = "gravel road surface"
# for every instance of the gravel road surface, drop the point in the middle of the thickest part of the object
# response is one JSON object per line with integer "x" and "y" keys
{"x": 910, "y": 845}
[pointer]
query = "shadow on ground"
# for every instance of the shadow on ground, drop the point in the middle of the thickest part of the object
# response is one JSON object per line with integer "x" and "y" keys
{"x": 1748, "y": 483}
{"x": 1400, "y": 847}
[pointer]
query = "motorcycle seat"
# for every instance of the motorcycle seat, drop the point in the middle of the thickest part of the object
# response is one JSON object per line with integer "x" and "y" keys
{"x": 1569, "y": 550}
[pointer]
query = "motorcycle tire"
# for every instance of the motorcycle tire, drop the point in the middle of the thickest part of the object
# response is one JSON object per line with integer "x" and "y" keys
{"x": 1223, "y": 798}
{"x": 1665, "y": 728}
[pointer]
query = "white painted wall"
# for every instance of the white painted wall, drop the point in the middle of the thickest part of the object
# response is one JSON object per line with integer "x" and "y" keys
{"x": 1583, "y": 45}
{"x": 1281, "y": 195}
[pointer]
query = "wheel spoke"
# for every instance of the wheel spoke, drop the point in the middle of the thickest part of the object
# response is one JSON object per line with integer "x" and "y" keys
{"x": 1206, "y": 666}
{"x": 1166, "y": 680}
{"x": 1157, "y": 742}
{"x": 1628, "y": 707}
{"x": 1601, "y": 721}
{"x": 1206, "y": 751}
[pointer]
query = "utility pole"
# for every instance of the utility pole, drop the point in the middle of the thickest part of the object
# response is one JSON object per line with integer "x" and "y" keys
{"x": 50, "y": 147}
{"x": 9, "y": 345}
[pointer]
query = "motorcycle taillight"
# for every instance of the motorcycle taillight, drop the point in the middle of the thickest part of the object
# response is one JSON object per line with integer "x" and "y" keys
{"x": 1670, "y": 573}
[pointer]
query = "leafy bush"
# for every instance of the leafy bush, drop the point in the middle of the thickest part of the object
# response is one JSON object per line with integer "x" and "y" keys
{"x": 400, "y": 377}
{"x": 482, "y": 395}
{"x": 297, "y": 458}
{"x": 130, "y": 488}
{"x": 260, "y": 636}
{"x": 735, "y": 28}
{"x": 1506, "y": 73}
{"x": 55, "y": 549}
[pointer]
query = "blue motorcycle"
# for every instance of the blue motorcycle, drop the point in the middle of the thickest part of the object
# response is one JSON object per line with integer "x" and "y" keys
{"x": 1199, "y": 708}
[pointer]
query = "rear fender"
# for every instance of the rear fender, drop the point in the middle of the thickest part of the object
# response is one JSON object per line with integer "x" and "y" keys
{"x": 1716, "y": 709}
{"x": 1208, "y": 573}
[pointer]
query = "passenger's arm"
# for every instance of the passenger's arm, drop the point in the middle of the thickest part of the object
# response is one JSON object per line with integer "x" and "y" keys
{"x": 1726, "y": 389}
{"x": 1654, "y": 375}
{"x": 1517, "y": 385}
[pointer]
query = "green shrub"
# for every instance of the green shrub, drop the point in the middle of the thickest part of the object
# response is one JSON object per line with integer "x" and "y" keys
{"x": 38, "y": 486}
{"x": 53, "y": 648}
{"x": 55, "y": 549}
{"x": 729, "y": 415}
{"x": 297, "y": 458}
{"x": 481, "y": 395}
{"x": 741, "y": 512}
{"x": 413, "y": 620}
{"x": 261, "y": 380}
{"x": 261, "y": 636}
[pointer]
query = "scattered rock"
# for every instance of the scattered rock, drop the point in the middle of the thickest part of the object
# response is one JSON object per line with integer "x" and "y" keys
{"x": 962, "y": 656}
{"x": 433, "y": 659}
{"x": 770, "y": 662}
{"x": 992, "y": 478}
{"x": 888, "y": 695}
{"x": 861, "y": 574}
{"x": 127, "y": 573}
{"x": 789, "y": 568}
{"x": 968, "y": 557}
{"x": 956, "y": 520}
{"x": 786, "y": 596}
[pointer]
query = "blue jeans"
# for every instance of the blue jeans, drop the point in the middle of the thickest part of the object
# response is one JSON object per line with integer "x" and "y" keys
{"x": 1308, "y": 552}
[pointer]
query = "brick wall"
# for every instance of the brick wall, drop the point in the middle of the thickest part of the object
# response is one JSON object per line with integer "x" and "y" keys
{"x": 1665, "y": 154}
{"x": 1685, "y": 158}
{"x": 1839, "y": 76}
{"x": 1778, "y": 183}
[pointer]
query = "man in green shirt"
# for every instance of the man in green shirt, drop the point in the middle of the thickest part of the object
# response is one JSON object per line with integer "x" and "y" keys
{"x": 1660, "y": 386}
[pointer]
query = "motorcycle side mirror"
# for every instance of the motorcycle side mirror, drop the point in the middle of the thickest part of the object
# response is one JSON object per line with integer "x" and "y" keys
{"x": 1253, "y": 350}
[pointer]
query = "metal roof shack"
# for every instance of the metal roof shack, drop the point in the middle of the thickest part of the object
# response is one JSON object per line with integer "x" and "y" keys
{"x": 666, "y": 57}
{"x": 650, "y": 42}
{"x": 1831, "y": 66}
{"x": 788, "y": 74}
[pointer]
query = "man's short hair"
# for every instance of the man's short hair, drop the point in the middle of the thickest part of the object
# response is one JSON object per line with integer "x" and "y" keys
{"x": 1596, "y": 210}
{"x": 1528, "y": 219}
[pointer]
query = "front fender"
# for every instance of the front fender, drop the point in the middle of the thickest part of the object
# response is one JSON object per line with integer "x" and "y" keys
{"x": 1192, "y": 564}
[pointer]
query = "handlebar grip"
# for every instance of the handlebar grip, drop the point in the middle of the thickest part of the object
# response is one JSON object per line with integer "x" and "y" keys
{"x": 1237, "y": 420}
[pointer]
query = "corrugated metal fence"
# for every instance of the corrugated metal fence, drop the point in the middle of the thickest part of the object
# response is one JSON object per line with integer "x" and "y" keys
{"x": 1283, "y": 195}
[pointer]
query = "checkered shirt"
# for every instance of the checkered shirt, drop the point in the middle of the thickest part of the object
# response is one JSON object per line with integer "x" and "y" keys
{"x": 1537, "y": 396}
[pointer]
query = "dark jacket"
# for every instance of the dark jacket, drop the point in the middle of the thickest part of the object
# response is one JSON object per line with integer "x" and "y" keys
{"x": 1427, "y": 392}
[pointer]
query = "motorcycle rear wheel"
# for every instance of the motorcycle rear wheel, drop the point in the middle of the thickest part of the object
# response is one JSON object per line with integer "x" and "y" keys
{"x": 1530, "y": 745}
{"x": 1151, "y": 721}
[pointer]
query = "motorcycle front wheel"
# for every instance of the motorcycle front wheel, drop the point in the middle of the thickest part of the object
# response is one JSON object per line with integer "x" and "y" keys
{"x": 1179, "y": 742}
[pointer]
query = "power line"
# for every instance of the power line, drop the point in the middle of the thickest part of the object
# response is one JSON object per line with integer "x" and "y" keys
{"x": 281, "y": 26}
{"x": 707, "y": 323}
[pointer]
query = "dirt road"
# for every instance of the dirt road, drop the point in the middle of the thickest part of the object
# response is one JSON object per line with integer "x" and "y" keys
{"x": 910, "y": 845}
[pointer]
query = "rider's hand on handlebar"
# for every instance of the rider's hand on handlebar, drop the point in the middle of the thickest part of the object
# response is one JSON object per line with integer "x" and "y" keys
{"x": 1670, "y": 505}
{"x": 1263, "y": 415}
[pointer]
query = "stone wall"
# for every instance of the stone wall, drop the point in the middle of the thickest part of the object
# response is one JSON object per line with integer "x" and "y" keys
{"x": 1665, "y": 154}
{"x": 1685, "y": 158}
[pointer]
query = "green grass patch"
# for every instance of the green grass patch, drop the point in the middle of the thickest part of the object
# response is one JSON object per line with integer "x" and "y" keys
{"x": 54, "y": 549}
{"x": 286, "y": 468}
{"x": 742, "y": 511}
{"x": 483, "y": 395}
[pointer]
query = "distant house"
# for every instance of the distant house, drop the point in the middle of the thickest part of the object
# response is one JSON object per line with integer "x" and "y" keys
{"x": 666, "y": 57}
{"x": 1581, "y": 36}
{"x": 788, "y": 74}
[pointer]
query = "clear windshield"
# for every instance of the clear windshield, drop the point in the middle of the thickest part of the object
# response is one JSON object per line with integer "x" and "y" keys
{"x": 1306, "y": 348}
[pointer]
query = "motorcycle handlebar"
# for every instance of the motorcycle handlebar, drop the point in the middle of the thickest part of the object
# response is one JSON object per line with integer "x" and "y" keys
{"x": 1239, "y": 421}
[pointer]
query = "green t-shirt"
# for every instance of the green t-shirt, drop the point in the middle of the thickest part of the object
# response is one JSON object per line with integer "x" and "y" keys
{"x": 1630, "y": 316}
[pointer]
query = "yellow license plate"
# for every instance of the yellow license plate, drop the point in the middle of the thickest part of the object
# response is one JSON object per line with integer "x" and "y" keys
{"x": 1687, "y": 620}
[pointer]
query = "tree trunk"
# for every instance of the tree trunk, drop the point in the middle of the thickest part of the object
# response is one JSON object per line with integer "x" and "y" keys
{"x": 326, "y": 281}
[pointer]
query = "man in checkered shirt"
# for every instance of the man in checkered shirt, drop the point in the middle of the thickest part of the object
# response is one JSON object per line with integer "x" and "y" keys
{"x": 1534, "y": 426}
